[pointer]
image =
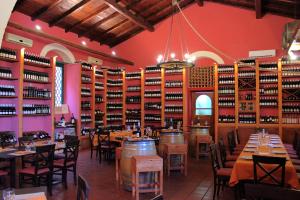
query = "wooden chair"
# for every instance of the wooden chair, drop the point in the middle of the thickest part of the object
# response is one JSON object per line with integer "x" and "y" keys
{"x": 70, "y": 138}
{"x": 259, "y": 191}
{"x": 3, "y": 173}
{"x": 23, "y": 141}
{"x": 94, "y": 142}
{"x": 226, "y": 161}
{"x": 234, "y": 149}
{"x": 178, "y": 150}
{"x": 69, "y": 162}
{"x": 204, "y": 140}
{"x": 42, "y": 168}
{"x": 279, "y": 163}
{"x": 221, "y": 175}
{"x": 105, "y": 146}
{"x": 140, "y": 164}
{"x": 82, "y": 189}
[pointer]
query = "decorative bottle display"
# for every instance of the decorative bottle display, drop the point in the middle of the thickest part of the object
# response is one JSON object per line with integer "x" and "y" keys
{"x": 34, "y": 92}
{"x": 151, "y": 69}
{"x": 153, "y": 81}
{"x": 170, "y": 84}
{"x": 174, "y": 95}
{"x": 152, "y": 93}
{"x": 133, "y": 99}
{"x": 36, "y": 76}
{"x": 7, "y": 53}
{"x": 7, "y": 91}
{"x": 114, "y": 94}
{"x": 133, "y": 75}
{"x": 36, "y": 109}
{"x": 36, "y": 59}
{"x": 7, "y": 109}
{"x": 5, "y": 73}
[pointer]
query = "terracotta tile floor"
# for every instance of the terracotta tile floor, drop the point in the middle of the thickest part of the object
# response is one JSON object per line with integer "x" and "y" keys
{"x": 101, "y": 178}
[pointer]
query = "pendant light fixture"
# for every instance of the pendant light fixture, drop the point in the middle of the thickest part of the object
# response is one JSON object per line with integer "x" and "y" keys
{"x": 169, "y": 60}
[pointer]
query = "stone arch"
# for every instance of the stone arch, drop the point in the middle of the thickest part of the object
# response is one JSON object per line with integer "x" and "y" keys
{"x": 65, "y": 53}
{"x": 208, "y": 54}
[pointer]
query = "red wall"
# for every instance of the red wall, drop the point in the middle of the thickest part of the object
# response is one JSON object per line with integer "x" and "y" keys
{"x": 234, "y": 31}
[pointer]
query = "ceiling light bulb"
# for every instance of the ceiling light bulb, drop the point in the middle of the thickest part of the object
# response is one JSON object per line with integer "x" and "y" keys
{"x": 292, "y": 55}
{"x": 113, "y": 53}
{"x": 83, "y": 43}
{"x": 186, "y": 56}
{"x": 173, "y": 55}
{"x": 38, "y": 27}
{"x": 159, "y": 58}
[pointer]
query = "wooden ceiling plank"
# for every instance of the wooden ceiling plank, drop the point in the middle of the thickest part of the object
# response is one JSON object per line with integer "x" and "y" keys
{"x": 87, "y": 18}
{"x": 200, "y": 2}
{"x": 18, "y": 4}
{"x": 135, "y": 18}
{"x": 258, "y": 9}
{"x": 95, "y": 26}
{"x": 66, "y": 42}
{"x": 43, "y": 10}
{"x": 124, "y": 37}
{"x": 68, "y": 12}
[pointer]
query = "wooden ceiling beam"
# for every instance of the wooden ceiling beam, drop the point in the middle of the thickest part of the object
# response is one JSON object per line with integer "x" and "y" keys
{"x": 71, "y": 44}
{"x": 68, "y": 12}
{"x": 135, "y": 18}
{"x": 97, "y": 24}
{"x": 44, "y": 9}
{"x": 258, "y": 9}
{"x": 18, "y": 4}
{"x": 124, "y": 37}
{"x": 200, "y": 2}
{"x": 87, "y": 18}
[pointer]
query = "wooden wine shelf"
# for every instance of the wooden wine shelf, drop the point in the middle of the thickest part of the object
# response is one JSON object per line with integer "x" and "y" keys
{"x": 36, "y": 98}
{"x": 36, "y": 115}
{"x": 8, "y": 97}
{"x": 11, "y": 60}
{"x": 32, "y": 64}
{"x": 39, "y": 82}
{"x": 8, "y": 79}
{"x": 8, "y": 115}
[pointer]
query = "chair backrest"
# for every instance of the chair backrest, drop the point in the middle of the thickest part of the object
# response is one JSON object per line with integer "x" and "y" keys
{"x": 25, "y": 140}
{"x": 231, "y": 141}
{"x": 82, "y": 189}
{"x": 259, "y": 191}
{"x": 71, "y": 151}
{"x": 104, "y": 138}
{"x": 92, "y": 136}
{"x": 43, "y": 158}
{"x": 269, "y": 166}
{"x": 222, "y": 150}
{"x": 70, "y": 138}
{"x": 159, "y": 197}
{"x": 214, "y": 158}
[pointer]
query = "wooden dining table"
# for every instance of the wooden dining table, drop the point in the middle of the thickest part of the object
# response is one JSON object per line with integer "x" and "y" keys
{"x": 270, "y": 145}
{"x": 12, "y": 153}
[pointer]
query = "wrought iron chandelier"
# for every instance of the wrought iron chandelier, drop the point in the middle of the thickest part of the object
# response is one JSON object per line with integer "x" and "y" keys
{"x": 169, "y": 60}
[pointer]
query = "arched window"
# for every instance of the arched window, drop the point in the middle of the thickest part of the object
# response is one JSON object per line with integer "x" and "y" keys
{"x": 203, "y": 105}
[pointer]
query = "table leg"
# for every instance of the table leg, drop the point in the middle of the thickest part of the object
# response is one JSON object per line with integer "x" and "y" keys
{"x": 13, "y": 172}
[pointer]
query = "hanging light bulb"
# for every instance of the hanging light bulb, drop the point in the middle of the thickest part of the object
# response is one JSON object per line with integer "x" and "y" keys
{"x": 173, "y": 55}
{"x": 159, "y": 58}
{"x": 186, "y": 56}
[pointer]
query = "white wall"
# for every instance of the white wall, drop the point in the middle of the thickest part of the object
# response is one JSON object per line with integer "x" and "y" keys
{"x": 5, "y": 12}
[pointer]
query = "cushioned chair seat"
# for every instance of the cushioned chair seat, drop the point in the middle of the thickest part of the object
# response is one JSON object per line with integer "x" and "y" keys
{"x": 229, "y": 164}
{"x": 3, "y": 173}
{"x": 292, "y": 153}
{"x": 60, "y": 163}
{"x": 231, "y": 157}
{"x": 30, "y": 170}
{"x": 224, "y": 172}
{"x": 59, "y": 156}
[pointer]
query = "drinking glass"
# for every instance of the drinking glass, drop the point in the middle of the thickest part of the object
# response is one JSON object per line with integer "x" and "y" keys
{"x": 8, "y": 194}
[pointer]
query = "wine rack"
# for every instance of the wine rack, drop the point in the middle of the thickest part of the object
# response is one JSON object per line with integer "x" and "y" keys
{"x": 100, "y": 102}
{"x": 153, "y": 69}
{"x": 153, "y": 81}
{"x": 7, "y": 91}
{"x": 7, "y": 110}
{"x": 201, "y": 77}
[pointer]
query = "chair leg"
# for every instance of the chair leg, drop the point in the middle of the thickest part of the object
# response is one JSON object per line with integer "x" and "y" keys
{"x": 49, "y": 185}
{"x": 100, "y": 156}
{"x": 75, "y": 174}
{"x": 215, "y": 188}
{"x": 64, "y": 177}
{"x": 218, "y": 187}
{"x": 91, "y": 152}
{"x": 20, "y": 180}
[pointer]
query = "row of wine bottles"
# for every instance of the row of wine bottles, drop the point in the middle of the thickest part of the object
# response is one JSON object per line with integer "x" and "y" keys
{"x": 151, "y": 69}
{"x": 152, "y": 93}
{"x": 290, "y": 119}
{"x": 8, "y": 53}
{"x": 85, "y": 105}
{"x": 86, "y": 66}
{"x": 99, "y": 73}
{"x": 36, "y": 76}
{"x": 246, "y": 74}
{"x": 226, "y": 103}
{"x": 114, "y": 94}
{"x": 268, "y": 90}
{"x": 247, "y": 118}
{"x": 133, "y": 88}
{"x": 173, "y": 84}
{"x": 99, "y": 112}
{"x": 269, "y": 119}
{"x": 98, "y": 98}
{"x": 226, "y": 119}
{"x": 226, "y": 68}
{"x": 133, "y": 111}
{"x": 85, "y": 117}
{"x": 99, "y": 86}
{"x": 153, "y": 81}
{"x": 86, "y": 78}
{"x": 34, "y": 92}
{"x": 36, "y": 109}
{"x": 174, "y": 109}
{"x": 114, "y": 105}
{"x": 268, "y": 66}
{"x": 290, "y": 83}
{"x": 7, "y": 90}
{"x": 115, "y": 117}
{"x": 5, "y": 73}
{"x": 34, "y": 58}
{"x": 133, "y": 75}
{"x": 226, "y": 90}
{"x": 117, "y": 82}
{"x": 174, "y": 96}
{"x": 133, "y": 120}
{"x": 228, "y": 79}
{"x": 133, "y": 99}
{"x": 174, "y": 70}
{"x": 85, "y": 91}
{"x": 291, "y": 107}
{"x": 153, "y": 106}
{"x": 152, "y": 117}
{"x": 114, "y": 72}
{"x": 267, "y": 78}
{"x": 7, "y": 109}
{"x": 268, "y": 101}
